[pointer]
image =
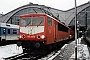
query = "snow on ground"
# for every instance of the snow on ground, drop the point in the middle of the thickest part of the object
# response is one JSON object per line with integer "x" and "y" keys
{"x": 10, "y": 50}
{"x": 82, "y": 51}
{"x": 67, "y": 52}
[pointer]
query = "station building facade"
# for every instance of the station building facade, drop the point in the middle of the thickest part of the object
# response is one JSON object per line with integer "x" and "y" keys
{"x": 68, "y": 16}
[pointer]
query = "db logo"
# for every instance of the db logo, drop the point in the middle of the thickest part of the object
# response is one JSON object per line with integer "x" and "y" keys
{"x": 23, "y": 36}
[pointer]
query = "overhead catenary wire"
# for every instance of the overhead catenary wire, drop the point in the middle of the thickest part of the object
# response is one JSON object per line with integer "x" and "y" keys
{"x": 38, "y": 2}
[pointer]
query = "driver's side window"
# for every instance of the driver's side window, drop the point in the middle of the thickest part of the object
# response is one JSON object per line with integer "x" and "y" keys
{"x": 49, "y": 21}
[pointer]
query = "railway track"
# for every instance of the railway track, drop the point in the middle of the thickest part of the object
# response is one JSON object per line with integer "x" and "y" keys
{"x": 28, "y": 56}
{"x": 16, "y": 57}
{"x": 23, "y": 56}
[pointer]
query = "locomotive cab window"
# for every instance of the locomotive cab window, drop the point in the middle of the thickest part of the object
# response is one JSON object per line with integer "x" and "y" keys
{"x": 37, "y": 20}
{"x": 49, "y": 21}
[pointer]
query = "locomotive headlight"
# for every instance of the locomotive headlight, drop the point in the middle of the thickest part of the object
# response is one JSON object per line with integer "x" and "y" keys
{"x": 20, "y": 36}
{"x": 42, "y": 36}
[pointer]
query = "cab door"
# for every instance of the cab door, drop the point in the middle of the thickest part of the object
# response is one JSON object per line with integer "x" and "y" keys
{"x": 55, "y": 31}
{"x": 50, "y": 34}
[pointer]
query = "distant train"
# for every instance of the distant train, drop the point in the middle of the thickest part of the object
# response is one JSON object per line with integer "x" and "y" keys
{"x": 87, "y": 34}
{"x": 8, "y": 32}
{"x": 39, "y": 31}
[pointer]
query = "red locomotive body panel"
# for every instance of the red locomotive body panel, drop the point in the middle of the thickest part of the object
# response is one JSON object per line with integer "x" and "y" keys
{"x": 42, "y": 28}
{"x": 36, "y": 31}
{"x": 54, "y": 35}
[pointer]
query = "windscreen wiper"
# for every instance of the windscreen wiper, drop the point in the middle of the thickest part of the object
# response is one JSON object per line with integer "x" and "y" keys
{"x": 39, "y": 23}
{"x": 28, "y": 23}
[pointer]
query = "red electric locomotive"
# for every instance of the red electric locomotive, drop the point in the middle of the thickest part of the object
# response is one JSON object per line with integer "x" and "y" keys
{"x": 40, "y": 30}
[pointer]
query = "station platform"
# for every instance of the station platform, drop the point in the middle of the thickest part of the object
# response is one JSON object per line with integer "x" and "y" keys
{"x": 67, "y": 52}
{"x": 9, "y": 51}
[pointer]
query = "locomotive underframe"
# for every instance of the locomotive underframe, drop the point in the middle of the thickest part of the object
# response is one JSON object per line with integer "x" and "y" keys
{"x": 40, "y": 47}
{"x": 32, "y": 45}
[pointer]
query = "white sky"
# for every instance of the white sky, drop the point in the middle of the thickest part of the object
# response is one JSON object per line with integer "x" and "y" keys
{"x": 9, "y": 5}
